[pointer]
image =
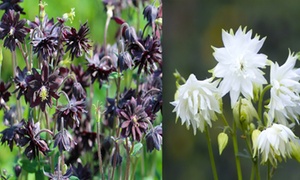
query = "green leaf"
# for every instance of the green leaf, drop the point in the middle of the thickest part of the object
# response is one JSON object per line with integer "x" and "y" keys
{"x": 39, "y": 175}
{"x": 29, "y": 166}
{"x": 137, "y": 148}
{"x": 74, "y": 178}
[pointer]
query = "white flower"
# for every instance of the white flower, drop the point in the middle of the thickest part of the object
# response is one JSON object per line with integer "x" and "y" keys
{"x": 274, "y": 143}
{"x": 196, "y": 102}
{"x": 239, "y": 63}
{"x": 285, "y": 99}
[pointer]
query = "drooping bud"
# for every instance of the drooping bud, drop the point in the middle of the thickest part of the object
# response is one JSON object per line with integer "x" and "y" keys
{"x": 222, "y": 141}
{"x": 295, "y": 150}
{"x": 254, "y": 137}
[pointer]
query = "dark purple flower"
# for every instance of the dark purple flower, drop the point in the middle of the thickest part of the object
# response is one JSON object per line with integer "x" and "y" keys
{"x": 149, "y": 58}
{"x": 82, "y": 172}
{"x": 150, "y": 13}
{"x": 154, "y": 138}
{"x": 44, "y": 46}
{"x": 20, "y": 82}
{"x": 124, "y": 61}
{"x": 12, "y": 29}
{"x": 10, "y": 135}
{"x": 45, "y": 37}
{"x": 100, "y": 68}
{"x": 71, "y": 113}
{"x": 112, "y": 107}
{"x": 11, "y": 5}
{"x": 42, "y": 87}
{"x": 77, "y": 42}
{"x": 10, "y": 116}
{"x": 63, "y": 140}
{"x": 29, "y": 135}
{"x": 4, "y": 94}
{"x": 133, "y": 120}
{"x": 57, "y": 175}
{"x": 77, "y": 88}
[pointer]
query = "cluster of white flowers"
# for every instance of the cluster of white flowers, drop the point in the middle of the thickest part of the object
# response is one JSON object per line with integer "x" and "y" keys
{"x": 239, "y": 72}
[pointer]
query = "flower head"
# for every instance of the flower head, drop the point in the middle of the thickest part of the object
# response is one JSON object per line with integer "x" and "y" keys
{"x": 197, "y": 102}
{"x": 77, "y": 41}
{"x": 133, "y": 120}
{"x": 12, "y": 29}
{"x": 11, "y": 5}
{"x": 274, "y": 143}
{"x": 42, "y": 87}
{"x": 30, "y": 135}
{"x": 239, "y": 63}
{"x": 154, "y": 138}
{"x": 285, "y": 98}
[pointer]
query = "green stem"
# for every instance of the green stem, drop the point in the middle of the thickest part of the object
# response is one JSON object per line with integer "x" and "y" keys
{"x": 260, "y": 102}
{"x": 236, "y": 151}
{"x": 211, "y": 154}
{"x": 127, "y": 160}
{"x": 269, "y": 171}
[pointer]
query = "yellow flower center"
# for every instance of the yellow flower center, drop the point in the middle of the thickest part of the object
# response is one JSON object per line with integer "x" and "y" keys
{"x": 43, "y": 93}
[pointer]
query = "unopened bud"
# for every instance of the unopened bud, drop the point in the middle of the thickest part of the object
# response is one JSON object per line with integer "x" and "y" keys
{"x": 222, "y": 141}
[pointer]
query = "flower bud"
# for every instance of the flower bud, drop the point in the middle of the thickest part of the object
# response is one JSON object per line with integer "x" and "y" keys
{"x": 222, "y": 141}
{"x": 254, "y": 137}
{"x": 295, "y": 150}
{"x": 244, "y": 112}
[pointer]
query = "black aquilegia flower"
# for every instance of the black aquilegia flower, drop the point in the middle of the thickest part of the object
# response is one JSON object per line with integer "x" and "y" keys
{"x": 10, "y": 134}
{"x": 133, "y": 120}
{"x": 12, "y": 29}
{"x": 82, "y": 172}
{"x": 45, "y": 37}
{"x": 42, "y": 87}
{"x": 11, "y": 5}
{"x": 77, "y": 42}
{"x": 150, "y": 13}
{"x": 57, "y": 175}
{"x": 100, "y": 68}
{"x": 20, "y": 82}
{"x": 29, "y": 135}
{"x": 154, "y": 138}
{"x": 149, "y": 56}
{"x": 71, "y": 113}
{"x": 4, "y": 94}
{"x": 77, "y": 87}
{"x": 63, "y": 139}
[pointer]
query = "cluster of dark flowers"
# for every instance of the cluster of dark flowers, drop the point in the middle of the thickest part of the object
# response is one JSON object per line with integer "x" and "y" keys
{"x": 65, "y": 127}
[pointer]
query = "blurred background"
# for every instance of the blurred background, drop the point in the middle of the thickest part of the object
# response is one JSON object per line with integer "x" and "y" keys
{"x": 190, "y": 29}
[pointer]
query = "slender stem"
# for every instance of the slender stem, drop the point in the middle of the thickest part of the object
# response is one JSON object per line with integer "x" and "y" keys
{"x": 134, "y": 168}
{"x": 14, "y": 59}
{"x": 269, "y": 171}
{"x": 211, "y": 154}
{"x": 257, "y": 169}
{"x": 236, "y": 151}
{"x": 99, "y": 143}
{"x": 105, "y": 34}
{"x": 260, "y": 102}
{"x": 127, "y": 160}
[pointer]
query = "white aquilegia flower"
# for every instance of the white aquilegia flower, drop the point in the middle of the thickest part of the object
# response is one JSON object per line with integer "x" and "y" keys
{"x": 197, "y": 102}
{"x": 239, "y": 63}
{"x": 285, "y": 100}
{"x": 274, "y": 143}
